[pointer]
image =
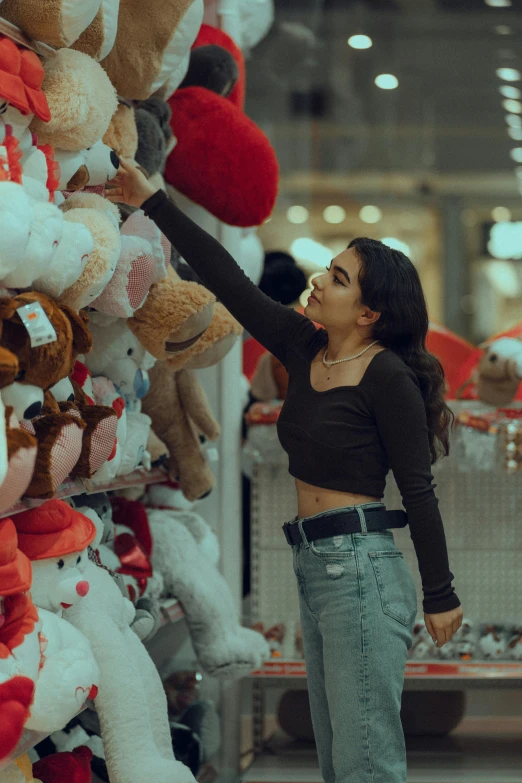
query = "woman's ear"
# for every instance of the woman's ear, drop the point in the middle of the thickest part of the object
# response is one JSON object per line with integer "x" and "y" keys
{"x": 368, "y": 317}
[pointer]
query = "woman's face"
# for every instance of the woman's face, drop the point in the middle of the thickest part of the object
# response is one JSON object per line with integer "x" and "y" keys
{"x": 338, "y": 296}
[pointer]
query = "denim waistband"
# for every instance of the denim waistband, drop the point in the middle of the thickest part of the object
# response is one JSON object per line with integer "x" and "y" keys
{"x": 342, "y": 509}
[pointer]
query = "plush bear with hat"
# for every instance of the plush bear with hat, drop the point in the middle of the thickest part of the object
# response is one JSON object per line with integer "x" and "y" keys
{"x": 55, "y": 537}
{"x": 21, "y": 94}
{"x": 150, "y": 57}
{"x": 41, "y": 646}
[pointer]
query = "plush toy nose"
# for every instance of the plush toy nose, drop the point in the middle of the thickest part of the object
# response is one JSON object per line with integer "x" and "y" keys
{"x": 93, "y": 693}
{"x": 115, "y": 160}
{"x": 82, "y": 588}
{"x": 33, "y": 410}
{"x": 141, "y": 383}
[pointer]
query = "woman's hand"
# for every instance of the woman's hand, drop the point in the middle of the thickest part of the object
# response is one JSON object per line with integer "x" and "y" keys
{"x": 443, "y": 626}
{"x": 129, "y": 186}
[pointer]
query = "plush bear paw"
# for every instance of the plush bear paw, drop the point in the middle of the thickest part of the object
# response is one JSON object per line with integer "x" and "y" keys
{"x": 236, "y": 656}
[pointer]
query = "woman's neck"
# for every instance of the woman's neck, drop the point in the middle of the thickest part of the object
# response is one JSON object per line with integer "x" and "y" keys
{"x": 347, "y": 345}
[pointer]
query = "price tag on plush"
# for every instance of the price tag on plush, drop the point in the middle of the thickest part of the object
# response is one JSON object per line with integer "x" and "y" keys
{"x": 40, "y": 329}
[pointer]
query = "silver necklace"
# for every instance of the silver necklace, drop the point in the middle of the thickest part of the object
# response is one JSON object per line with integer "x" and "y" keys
{"x": 347, "y": 358}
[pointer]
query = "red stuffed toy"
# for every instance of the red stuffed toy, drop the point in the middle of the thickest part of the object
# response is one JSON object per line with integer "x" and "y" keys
{"x": 17, "y": 619}
{"x": 222, "y": 160}
{"x": 72, "y": 767}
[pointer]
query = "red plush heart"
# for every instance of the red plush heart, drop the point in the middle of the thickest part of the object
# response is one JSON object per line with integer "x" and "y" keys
{"x": 222, "y": 160}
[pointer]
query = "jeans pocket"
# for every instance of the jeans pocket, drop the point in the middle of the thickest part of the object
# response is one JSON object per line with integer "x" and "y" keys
{"x": 333, "y": 546}
{"x": 395, "y": 585}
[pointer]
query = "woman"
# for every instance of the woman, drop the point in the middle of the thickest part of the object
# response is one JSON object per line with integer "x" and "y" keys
{"x": 364, "y": 395}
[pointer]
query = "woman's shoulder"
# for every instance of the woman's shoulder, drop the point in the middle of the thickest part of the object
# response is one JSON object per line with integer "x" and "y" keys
{"x": 388, "y": 366}
{"x": 307, "y": 339}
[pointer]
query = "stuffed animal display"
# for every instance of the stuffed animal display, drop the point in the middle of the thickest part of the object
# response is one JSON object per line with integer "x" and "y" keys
{"x": 100, "y": 343}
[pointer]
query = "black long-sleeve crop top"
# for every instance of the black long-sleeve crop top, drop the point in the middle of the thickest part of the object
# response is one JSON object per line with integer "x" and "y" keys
{"x": 346, "y": 438}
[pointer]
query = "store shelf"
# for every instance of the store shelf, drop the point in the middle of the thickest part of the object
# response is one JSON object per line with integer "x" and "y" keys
{"x": 71, "y": 487}
{"x": 446, "y": 673}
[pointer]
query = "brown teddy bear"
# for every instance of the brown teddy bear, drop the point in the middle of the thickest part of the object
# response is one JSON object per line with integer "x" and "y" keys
{"x": 60, "y": 425}
{"x": 499, "y": 372}
{"x": 152, "y": 54}
{"x": 179, "y": 410}
{"x": 18, "y": 447}
{"x": 176, "y": 402}
{"x": 59, "y": 434}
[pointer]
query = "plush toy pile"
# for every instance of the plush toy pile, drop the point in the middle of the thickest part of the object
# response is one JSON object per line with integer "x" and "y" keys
{"x": 100, "y": 343}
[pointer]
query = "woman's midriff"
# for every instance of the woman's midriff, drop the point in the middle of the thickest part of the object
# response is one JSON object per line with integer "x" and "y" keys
{"x": 313, "y": 500}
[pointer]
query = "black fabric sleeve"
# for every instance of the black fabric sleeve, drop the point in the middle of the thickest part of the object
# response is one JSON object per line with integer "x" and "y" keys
{"x": 274, "y": 325}
{"x": 402, "y": 425}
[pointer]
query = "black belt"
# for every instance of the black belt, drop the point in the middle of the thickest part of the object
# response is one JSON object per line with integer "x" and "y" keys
{"x": 344, "y": 522}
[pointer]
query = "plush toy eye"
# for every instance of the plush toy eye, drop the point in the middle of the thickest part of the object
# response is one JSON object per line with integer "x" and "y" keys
{"x": 79, "y": 560}
{"x": 493, "y": 357}
{"x": 3, "y": 107}
{"x": 60, "y": 564}
{"x": 70, "y": 398}
{"x": 20, "y": 375}
{"x": 130, "y": 351}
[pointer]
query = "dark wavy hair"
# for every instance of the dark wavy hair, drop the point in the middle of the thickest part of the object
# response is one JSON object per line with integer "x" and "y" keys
{"x": 390, "y": 285}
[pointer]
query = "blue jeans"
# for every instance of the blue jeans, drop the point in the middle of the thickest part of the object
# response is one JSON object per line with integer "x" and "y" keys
{"x": 358, "y": 605}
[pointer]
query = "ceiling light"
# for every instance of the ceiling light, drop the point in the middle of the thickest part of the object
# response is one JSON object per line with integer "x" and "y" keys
{"x": 309, "y": 250}
{"x": 501, "y": 214}
{"x": 514, "y": 120}
{"x": 334, "y": 214}
{"x": 508, "y": 74}
{"x": 297, "y": 215}
{"x": 508, "y": 91}
{"x": 370, "y": 214}
{"x": 516, "y": 154}
{"x": 386, "y": 81}
{"x": 396, "y": 244}
{"x": 498, "y": 3}
{"x": 512, "y": 106}
{"x": 515, "y": 134}
{"x": 360, "y": 41}
{"x": 503, "y": 29}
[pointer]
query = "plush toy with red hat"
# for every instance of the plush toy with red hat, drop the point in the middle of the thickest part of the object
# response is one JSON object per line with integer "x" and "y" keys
{"x": 40, "y": 645}
{"x": 55, "y": 538}
{"x": 237, "y": 183}
{"x": 18, "y": 620}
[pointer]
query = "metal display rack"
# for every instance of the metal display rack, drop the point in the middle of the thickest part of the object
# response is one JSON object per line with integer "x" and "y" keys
{"x": 480, "y": 506}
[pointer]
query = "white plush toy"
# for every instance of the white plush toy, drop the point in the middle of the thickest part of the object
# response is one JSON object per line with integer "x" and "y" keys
{"x": 182, "y": 543}
{"x": 41, "y": 646}
{"x": 55, "y": 537}
{"x": 69, "y": 260}
{"x": 493, "y": 645}
{"x": 16, "y": 218}
{"x": 118, "y": 355}
{"x": 94, "y": 166}
{"x": 46, "y": 235}
{"x": 131, "y": 703}
{"x": 423, "y": 647}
